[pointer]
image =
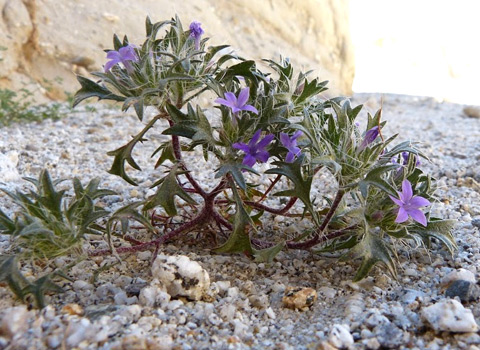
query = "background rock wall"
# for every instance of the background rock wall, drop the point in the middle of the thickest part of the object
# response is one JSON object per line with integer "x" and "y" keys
{"x": 44, "y": 43}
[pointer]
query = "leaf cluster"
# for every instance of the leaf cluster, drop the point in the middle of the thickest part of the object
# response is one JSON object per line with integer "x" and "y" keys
{"x": 48, "y": 224}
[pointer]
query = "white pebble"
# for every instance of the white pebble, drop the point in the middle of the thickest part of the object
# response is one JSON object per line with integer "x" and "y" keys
{"x": 449, "y": 315}
{"x": 181, "y": 276}
{"x": 340, "y": 336}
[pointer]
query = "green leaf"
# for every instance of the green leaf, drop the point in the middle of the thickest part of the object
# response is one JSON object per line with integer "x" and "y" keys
{"x": 236, "y": 171}
{"x": 267, "y": 255}
{"x": 10, "y": 274}
{"x": 439, "y": 229}
{"x": 40, "y": 287}
{"x": 371, "y": 250}
{"x": 124, "y": 215}
{"x": 50, "y": 199}
{"x": 374, "y": 178}
{"x": 302, "y": 185}
{"x": 91, "y": 89}
{"x": 239, "y": 240}
{"x": 7, "y": 225}
{"x": 166, "y": 193}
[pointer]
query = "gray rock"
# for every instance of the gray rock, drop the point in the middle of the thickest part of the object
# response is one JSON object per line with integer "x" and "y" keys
{"x": 389, "y": 336}
{"x": 465, "y": 290}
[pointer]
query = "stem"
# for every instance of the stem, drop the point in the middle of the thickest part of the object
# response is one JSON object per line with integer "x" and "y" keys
{"x": 281, "y": 211}
{"x": 274, "y": 182}
{"x": 318, "y": 236}
{"x": 178, "y": 155}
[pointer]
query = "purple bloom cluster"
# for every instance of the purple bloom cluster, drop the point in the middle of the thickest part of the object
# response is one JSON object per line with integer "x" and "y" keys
{"x": 370, "y": 136}
{"x": 290, "y": 143}
{"x": 124, "y": 55}
{"x": 408, "y": 205}
{"x": 196, "y": 32}
{"x": 255, "y": 149}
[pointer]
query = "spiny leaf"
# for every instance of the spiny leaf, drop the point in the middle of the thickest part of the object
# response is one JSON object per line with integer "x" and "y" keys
{"x": 439, "y": 229}
{"x": 374, "y": 177}
{"x": 10, "y": 274}
{"x": 91, "y": 89}
{"x": 267, "y": 255}
{"x": 166, "y": 193}
{"x": 40, "y": 287}
{"x": 371, "y": 249}
{"x": 236, "y": 171}
{"x": 301, "y": 185}
{"x": 239, "y": 240}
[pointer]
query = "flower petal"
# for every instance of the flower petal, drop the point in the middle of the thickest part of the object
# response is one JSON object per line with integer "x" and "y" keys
{"x": 249, "y": 160}
{"x": 109, "y": 65}
{"x": 289, "y": 158}
{"x": 255, "y": 138}
{"x": 406, "y": 191}
{"x": 402, "y": 215}
{"x": 265, "y": 141}
{"x": 241, "y": 146}
{"x": 296, "y": 134}
{"x": 285, "y": 139}
{"x": 243, "y": 97}
{"x": 232, "y": 100}
{"x": 249, "y": 108}
{"x": 418, "y": 216}
{"x": 222, "y": 101}
{"x": 418, "y": 202}
{"x": 113, "y": 55}
{"x": 262, "y": 156}
{"x": 396, "y": 201}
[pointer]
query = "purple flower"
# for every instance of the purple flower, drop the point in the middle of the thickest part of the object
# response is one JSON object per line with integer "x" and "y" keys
{"x": 255, "y": 150}
{"x": 196, "y": 32}
{"x": 290, "y": 143}
{"x": 124, "y": 55}
{"x": 409, "y": 205}
{"x": 237, "y": 104}
{"x": 370, "y": 136}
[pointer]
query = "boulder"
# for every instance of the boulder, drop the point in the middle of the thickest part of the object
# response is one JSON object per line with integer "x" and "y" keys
{"x": 47, "y": 42}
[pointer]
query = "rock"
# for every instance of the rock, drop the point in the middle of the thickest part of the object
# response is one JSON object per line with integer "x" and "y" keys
{"x": 8, "y": 167}
{"x": 340, "y": 336}
{"x": 77, "y": 331}
{"x": 40, "y": 45}
{"x": 389, "y": 336}
{"x": 472, "y": 112}
{"x": 14, "y": 321}
{"x": 465, "y": 290}
{"x": 476, "y": 223}
{"x": 299, "y": 298}
{"x": 460, "y": 274}
{"x": 449, "y": 315}
{"x": 72, "y": 309}
{"x": 181, "y": 276}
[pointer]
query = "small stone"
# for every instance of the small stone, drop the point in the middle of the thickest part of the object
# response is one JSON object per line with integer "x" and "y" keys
{"x": 449, "y": 315}
{"x": 14, "y": 321}
{"x": 77, "y": 331}
{"x": 472, "y": 112}
{"x": 389, "y": 336}
{"x": 325, "y": 345}
{"x": 299, "y": 298}
{"x": 460, "y": 274}
{"x": 72, "y": 309}
{"x": 340, "y": 336}
{"x": 259, "y": 300}
{"x": 476, "y": 223}
{"x": 180, "y": 276}
{"x": 465, "y": 290}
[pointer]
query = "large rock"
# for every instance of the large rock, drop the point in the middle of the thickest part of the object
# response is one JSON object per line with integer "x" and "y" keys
{"x": 47, "y": 41}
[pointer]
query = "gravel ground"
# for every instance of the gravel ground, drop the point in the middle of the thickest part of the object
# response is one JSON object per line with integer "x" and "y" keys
{"x": 432, "y": 305}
